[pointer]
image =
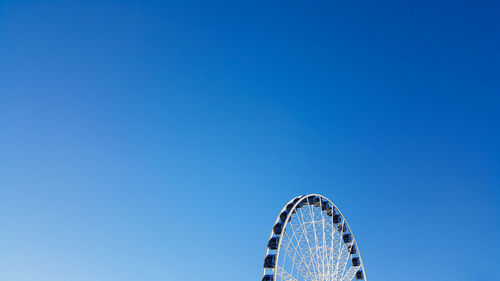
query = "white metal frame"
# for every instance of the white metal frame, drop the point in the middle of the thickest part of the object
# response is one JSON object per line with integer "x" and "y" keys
{"x": 326, "y": 274}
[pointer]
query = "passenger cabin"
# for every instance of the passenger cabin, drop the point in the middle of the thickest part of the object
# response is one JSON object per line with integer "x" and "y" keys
{"x": 337, "y": 219}
{"x": 360, "y": 275}
{"x": 347, "y": 238}
{"x": 316, "y": 201}
{"x": 310, "y": 200}
{"x": 355, "y": 261}
{"x": 278, "y": 228}
{"x": 330, "y": 212}
{"x": 325, "y": 206}
{"x": 352, "y": 249}
{"x": 269, "y": 261}
{"x": 342, "y": 228}
{"x": 283, "y": 216}
{"x": 273, "y": 243}
{"x": 268, "y": 278}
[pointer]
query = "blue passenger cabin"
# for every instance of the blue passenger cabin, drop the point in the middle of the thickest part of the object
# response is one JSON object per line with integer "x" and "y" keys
{"x": 355, "y": 261}
{"x": 347, "y": 238}
{"x": 268, "y": 278}
{"x": 309, "y": 200}
{"x": 330, "y": 212}
{"x": 316, "y": 201}
{"x": 342, "y": 227}
{"x": 352, "y": 249}
{"x": 337, "y": 219}
{"x": 345, "y": 227}
{"x": 283, "y": 216}
{"x": 360, "y": 275}
{"x": 269, "y": 261}
{"x": 325, "y": 206}
{"x": 278, "y": 228}
{"x": 273, "y": 243}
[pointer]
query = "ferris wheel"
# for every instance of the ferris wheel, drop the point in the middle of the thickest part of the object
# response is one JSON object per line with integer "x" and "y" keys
{"x": 311, "y": 241}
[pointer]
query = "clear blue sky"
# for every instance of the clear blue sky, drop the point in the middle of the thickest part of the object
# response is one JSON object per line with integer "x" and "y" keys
{"x": 158, "y": 141}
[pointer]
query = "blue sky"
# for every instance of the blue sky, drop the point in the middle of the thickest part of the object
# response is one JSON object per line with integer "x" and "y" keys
{"x": 146, "y": 140}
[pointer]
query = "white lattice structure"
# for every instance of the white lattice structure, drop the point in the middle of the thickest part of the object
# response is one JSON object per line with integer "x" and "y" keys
{"x": 311, "y": 241}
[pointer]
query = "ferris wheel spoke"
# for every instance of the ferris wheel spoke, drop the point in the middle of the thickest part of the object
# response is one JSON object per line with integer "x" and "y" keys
{"x": 301, "y": 265}
{"x": 327, "y": 246}
{"x": 321, "y": 242}
{"x": 341, "y": 264}
{"x": 298, "y": 233}
{"x": 303, "y": 243}
{"x": 332, "y": 251}
{"x": 338, "y": 255}
{"x": 299, "y": 230}
{"x": 329, "y": 249}
{"x": 323, "y": 249}
{"x": 305, "y": 247}
{"x": 301, "y": 269}
{"x": 283, "y": 274}
{"x": 311, "y": 239}
{"x": 302, "y": 246}
{"x": 350, "y": 273}
{"x": 345, "y": 265}
{"x": 315, "y": 239}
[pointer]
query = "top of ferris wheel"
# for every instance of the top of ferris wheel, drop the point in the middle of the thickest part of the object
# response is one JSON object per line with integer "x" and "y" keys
{"x": 336, "y": 218}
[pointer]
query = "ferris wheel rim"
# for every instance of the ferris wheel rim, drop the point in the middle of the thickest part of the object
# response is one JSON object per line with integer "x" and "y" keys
{"x": 294, "y": 207}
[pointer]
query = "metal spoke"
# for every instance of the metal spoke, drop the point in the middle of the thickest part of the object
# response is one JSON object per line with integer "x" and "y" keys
{"x": 284, "y": 275}
{"x": 350, "y": 273}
